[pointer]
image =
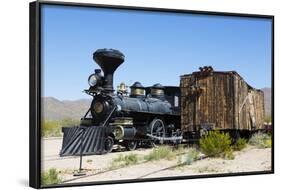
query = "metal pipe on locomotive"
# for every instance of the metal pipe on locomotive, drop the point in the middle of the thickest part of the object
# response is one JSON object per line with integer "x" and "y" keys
{"x": 129, "y": 119}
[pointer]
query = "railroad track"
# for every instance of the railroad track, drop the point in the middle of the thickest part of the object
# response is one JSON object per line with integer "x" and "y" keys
{"x": 121, "y": 167}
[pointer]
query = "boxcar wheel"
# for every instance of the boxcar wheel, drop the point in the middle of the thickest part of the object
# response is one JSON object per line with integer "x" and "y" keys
{"x": 108, "y": 144}
{"x": 130, "y": 145}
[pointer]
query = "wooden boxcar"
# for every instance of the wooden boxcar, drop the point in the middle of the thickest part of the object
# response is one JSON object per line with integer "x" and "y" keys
{"x": 219, "y": 100}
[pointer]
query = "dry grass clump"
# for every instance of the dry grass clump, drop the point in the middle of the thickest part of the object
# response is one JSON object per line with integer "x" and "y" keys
{"x": 126, "y": 160}
{"x": 163, "y": 152}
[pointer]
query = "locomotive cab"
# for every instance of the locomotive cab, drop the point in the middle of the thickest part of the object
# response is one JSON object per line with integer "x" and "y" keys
{"x": 172, "y": 95}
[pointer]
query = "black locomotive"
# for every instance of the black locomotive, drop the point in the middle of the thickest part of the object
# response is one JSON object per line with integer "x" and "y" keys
{"x": 144, "y": 116}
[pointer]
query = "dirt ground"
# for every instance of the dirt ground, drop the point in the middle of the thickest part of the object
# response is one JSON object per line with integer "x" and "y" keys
{"x": 97, "y": 166}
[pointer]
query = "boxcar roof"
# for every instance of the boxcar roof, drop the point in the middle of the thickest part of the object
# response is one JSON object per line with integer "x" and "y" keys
{"x": 221, "y": 72}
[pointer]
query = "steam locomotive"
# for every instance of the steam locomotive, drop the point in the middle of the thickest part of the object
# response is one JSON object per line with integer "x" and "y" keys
{"x": 146, "y": 115}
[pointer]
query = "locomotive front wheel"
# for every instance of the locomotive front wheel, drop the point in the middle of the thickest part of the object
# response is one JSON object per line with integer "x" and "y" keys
{"x": 130, "y": 145}
{"x": 157, "y": 128}
{"x": 108, "y": 144}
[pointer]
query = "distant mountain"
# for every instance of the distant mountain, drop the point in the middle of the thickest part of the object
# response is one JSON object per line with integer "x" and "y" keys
{"x": 54, "y": 109}
{"x": 267, "y": 100}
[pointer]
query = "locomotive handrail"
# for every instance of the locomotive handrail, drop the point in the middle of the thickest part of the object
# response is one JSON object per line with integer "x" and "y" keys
{"x": 104, "y": 123}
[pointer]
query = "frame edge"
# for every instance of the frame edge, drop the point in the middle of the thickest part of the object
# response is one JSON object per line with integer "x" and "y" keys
{"x": 34, "y": 138}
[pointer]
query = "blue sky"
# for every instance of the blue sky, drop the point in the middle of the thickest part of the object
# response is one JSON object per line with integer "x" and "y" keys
{"x": 158, "y": 47}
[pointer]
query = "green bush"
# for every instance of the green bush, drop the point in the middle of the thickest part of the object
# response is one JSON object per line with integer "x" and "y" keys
{"x": 215, "y": 144}
{"x": 240, "y": 144}
{"x": 163, "y": 152}
{"x": 260, "y": 140}
{"x": 50, "y": 177}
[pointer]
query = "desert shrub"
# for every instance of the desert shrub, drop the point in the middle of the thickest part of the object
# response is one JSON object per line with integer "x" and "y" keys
{"x": 163, "y": 152}
{"x": 52, "y": 128}
{"x": 260, "y": 140}
{"x": 191, "y": 156}
{"x": 215, "y": 144}
{"x": 50, "y": 177}
{"x": 240, "y": 144}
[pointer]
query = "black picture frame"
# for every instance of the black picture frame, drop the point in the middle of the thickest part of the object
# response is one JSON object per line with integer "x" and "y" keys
{"x": 35, "y": 92}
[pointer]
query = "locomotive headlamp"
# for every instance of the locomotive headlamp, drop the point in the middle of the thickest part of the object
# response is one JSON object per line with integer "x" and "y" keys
{"x": 92, "y": 80}
{"x": 98, "y": 107}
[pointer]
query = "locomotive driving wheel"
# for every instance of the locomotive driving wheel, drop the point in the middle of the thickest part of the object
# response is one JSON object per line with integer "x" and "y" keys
{"x": 157, "y": 128}
{"x": 108, "y": 144}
